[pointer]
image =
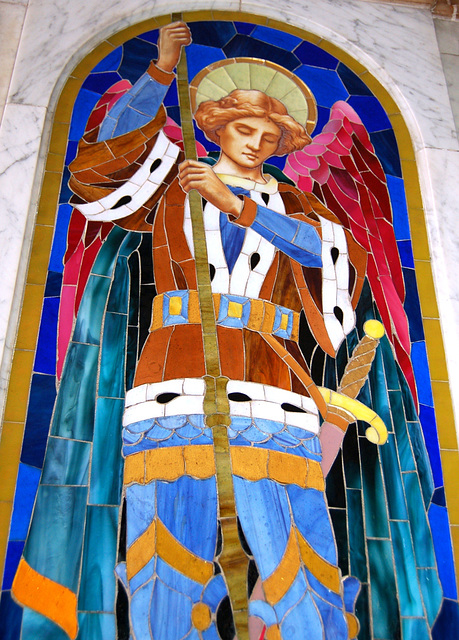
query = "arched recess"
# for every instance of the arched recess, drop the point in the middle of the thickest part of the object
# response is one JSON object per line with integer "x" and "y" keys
{"x": 442, "y": 432}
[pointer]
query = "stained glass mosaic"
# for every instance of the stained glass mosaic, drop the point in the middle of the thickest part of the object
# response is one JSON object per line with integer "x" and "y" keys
{"x": 230, "y": 428}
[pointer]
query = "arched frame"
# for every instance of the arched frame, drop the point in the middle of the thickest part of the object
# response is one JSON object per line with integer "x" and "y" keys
{"x": 16, "y": 405}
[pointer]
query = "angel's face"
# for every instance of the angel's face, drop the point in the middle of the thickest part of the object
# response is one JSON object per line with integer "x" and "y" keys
{"x": 248, "y": 142}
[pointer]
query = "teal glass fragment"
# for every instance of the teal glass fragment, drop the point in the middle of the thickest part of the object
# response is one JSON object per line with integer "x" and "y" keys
{"x": 74, "y": 410}
{"x": 55, "y": 538}
{"x": 37, "y": 626}
{"x": 98, "y": 583}
{"x": 108, "y": 253}
{"x": 96, "y": 625}
{"x": 112, "y": 361}
{"x": 405, "y": 569}
{"x": 431, "y": 592}
{"x": 118, "y": 298}
{"x": 422, "y": 539}
{"x": 107, "y": 464}
{"x": 358, "y": 560}
{"x": 384, "y": 605}
{"x": 393, "y": 480}
{"x": 374, "y": 495}
{"x": 66, "y": 462}
{"x": 87, "y": 327}
{"x": 339, "y": 520}
{"x": 415, "y": 629}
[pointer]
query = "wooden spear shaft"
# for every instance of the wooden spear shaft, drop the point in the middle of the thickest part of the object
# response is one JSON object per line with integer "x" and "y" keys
{"x": 232, "y": 559}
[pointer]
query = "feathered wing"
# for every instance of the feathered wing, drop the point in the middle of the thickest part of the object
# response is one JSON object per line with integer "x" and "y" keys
{"x": 341, "y": 168}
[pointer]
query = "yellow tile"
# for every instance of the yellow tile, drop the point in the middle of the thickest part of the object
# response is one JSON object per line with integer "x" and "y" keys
{"x": 55, "y": 162}
{"x": 175, "y": 305}
{"x": 426, "y": 289}
{"x": 18, "y": 391}
{"x": 234, "y": 309}
{"x": 348, "y": 60}
{"x": 194, "y": 16}
{"x": 418, "y": 233}
{"x": 10, "y": 451}
{"x": 162, "y": 20}
{"x": 85, "y": 67}
{"x": 295, "y": 31}
{"x": 67, "y": 98}
{"x": 39, "y": 257}
{"x": 227, "y": 15}
{"x": 131, "y": 32}
{"x": 455, "y": 537}
{"x": 450, "y": 464}
{"x": 30, "y": 316}
{"x": 444, "y": 414}
{"x": 410, "y": 176}
{"x": 404, "y": 142}
{"x": 50, "y": 189}
{"x": 60, "y": 133}
{"x": 47, "y": 210}
{"x": 435, "y": 350}
{"x": 5, "y": 517}
{"x": 254, "y": 18}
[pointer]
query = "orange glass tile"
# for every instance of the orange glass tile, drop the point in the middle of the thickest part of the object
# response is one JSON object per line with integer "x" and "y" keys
{"x": 18, "y": 395}
{"x": 40, "y": 255}
{"x": 30, "y": 318}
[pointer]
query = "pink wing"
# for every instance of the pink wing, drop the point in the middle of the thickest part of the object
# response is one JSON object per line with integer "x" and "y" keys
{"x": 341, "y": 168}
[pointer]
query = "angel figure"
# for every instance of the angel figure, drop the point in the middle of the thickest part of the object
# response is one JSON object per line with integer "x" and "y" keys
{"x": 276, "y": 254}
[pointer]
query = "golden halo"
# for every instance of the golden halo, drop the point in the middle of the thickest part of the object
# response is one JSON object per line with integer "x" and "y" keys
{"x": 220, "y": 78}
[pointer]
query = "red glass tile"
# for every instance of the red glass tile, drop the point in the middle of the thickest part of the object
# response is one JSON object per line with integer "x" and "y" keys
{"x": 72, "y": 267}
{"x": 65, "y": 327}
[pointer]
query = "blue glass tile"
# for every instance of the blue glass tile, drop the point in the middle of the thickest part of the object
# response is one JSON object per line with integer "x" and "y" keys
{"x": 314, "y": 56}
{"x": 406, "y": 253}
{"x": 199, "y": 56}
{"x": 279, "y": 163}
{"x": 45, "y": 356}
{"x": 397, "y": 195}
{"x": 55, "y": 538}
{"x": 89, "y": 320}
{"x": 37, "y": 626}
{"x": 415, "y": 629}
{"x": 165, "y": 599}
{"x": 439, "y": 525}
{"x": 244, "y": 27}
{"x": 429, "y": 428}
{"x": 420, "y": 530}
{"x": 96, "y": 625}
{"x": 385, "y": 146}
{"x": 212, "y": 34}
{"x": 71, "y": 151}
{"x": 278, "y": 38}
{"x": 339, "y": 521}
{"x": 13, "y": 555}
{"x": 150, "y": 36}
{"x": 413, "y": 311}
{"x": 66, "y": 462}
{"x": 74, "y": 412}
{"x": 393, "y": 480}
{"x": 325, "y": 85}
{"x": 323, "y": 116}
{"x": 65, "y": 193}
{"x": 85, "y": 102}
{"x": 372, "y": 114}
{"x": 110, "y": 62}
{"x": 98, "y": 582}
{"x": 447, "y": 622}
{"x": 358, "y": 561}
{"x": 362, "y": 611}
{"x": 242, "y": 45}
{"x": 111, "y": 375}
{"x": 232, "y": 240}
{"x": 421, "y": 370}
{"x": 352, "y": 82}
{"x": 107, "y": 465}
{"x": 193, "y": 519}
{"x": 439, "y": 497}
{"x": 374, "y": 494}
{"x": 41, "y": 402}
{"x": 100, "y": 82}
{"x": 176, "y": 580}
{"x": 10, "y": 617}
{"x": 26, "y": 488}
{"x": 60, "y": 238}
{"x": 171, "y": 97}
{"x": 431, "y": 591}
{"x": 174, "y": 114}
{"x": 410, "y": 599}
{"x": 53, "y": 284}
{"x": 386, "y": 617}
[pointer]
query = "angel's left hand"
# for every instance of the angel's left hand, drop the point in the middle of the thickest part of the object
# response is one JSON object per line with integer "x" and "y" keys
{"x": 200, "y": 176}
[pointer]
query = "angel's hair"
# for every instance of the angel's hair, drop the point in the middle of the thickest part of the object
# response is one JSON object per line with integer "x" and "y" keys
{"x": 212, "y": 115}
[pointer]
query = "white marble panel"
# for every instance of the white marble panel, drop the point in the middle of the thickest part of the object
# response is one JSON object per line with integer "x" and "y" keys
{"x": 20, "y": 139}
{"x": 11, "y": 20}
{"x": 448, "y": 36}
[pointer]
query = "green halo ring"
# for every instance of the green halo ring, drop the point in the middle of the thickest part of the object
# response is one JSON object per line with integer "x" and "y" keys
{"x": 220, "y": 78}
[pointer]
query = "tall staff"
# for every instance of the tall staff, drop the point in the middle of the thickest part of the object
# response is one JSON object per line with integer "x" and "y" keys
{"x": 232, "y": 559}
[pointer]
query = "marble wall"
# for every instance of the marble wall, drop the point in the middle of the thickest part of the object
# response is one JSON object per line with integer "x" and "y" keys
{"x": 41, "y": 41}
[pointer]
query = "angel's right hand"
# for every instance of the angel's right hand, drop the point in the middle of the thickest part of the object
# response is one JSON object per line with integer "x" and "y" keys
{"x": 172, "y": 38}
